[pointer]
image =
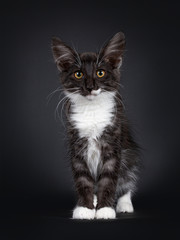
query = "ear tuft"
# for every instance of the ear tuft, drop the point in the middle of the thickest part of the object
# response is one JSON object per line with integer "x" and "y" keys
{"x": 64, "y": 56}
{"x": 55, "y": 41}
{"x": 113, "y": 50}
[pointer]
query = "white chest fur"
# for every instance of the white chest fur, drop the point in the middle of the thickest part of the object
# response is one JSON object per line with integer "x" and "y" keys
{"x": 90, "y": 117}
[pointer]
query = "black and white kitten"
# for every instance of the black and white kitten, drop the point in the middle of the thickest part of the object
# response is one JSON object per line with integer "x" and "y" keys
{"x": 104, "y": 156}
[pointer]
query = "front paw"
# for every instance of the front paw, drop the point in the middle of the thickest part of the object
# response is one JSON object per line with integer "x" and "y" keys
{"x": 106, "y": 213}
{"x": 83, "y": 213}
{"x": 123, "y": 207}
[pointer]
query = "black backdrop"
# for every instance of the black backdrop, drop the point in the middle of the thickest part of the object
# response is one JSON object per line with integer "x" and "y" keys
{"x": 34, "y": 165}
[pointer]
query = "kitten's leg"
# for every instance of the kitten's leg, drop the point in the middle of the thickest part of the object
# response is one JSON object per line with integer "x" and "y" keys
{"x": 124, "y": 204}
{"x": 106, "y": 191}
{"x": 85, "y": 188}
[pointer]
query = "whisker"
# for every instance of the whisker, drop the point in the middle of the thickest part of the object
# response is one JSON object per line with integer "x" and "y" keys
{"x": 69, "y": 89}
{"x": 49, "y": 97}
{"x": 57, "y": 107}
{"x": 62, "y": 108}
{"x": 52, "y": 93}
{"x": 120, "y": 84}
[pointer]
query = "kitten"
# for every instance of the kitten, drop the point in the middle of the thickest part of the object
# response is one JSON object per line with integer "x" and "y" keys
{"x": 104, "y": 157}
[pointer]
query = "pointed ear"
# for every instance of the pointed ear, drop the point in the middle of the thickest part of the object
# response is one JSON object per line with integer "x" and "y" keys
{"x": 113, "y": 50}
{"x": 64, "y": 56}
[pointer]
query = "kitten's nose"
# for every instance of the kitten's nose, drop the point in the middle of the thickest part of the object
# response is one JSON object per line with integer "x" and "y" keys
{"x": 90, "y": 88}
{"x": 90, "y": 85}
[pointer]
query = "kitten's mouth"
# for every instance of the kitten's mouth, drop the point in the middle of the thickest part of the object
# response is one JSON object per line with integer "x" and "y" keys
{"x": 93, "y": 94}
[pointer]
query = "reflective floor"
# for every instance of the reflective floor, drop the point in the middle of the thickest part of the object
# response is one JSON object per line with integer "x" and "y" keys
{"x": 45, "y": 218}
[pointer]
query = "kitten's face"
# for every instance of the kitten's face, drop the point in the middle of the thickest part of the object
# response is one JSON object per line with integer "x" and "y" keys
{"x": 90, "y": 74}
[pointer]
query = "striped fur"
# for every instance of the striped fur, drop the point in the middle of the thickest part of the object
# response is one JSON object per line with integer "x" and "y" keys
{"x": 104, "y": 157}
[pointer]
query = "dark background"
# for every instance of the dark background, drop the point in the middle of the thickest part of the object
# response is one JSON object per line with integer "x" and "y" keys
{"x": 36, "y": 184}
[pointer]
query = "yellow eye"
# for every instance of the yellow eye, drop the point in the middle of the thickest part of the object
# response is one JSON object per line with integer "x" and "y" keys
{"x": 78, "y": 74}
{"x": 100, "y": 73}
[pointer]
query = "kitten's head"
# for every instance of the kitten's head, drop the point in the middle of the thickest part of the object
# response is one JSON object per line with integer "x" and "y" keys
{"x": 89, "y": 74}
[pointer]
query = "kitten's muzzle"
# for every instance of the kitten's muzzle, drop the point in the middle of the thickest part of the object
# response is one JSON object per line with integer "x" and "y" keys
{"x": 93, "y": 94}
{"x": 96, "y": 92}
{"x": 90, "y": 85}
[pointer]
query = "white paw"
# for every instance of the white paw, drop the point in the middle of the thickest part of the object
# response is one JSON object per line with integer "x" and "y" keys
{"x": 105, "y": 213}
{"x": 95, "y": 200}
{"x": 83, "y": 213}
{"x": 123, "y": 207}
